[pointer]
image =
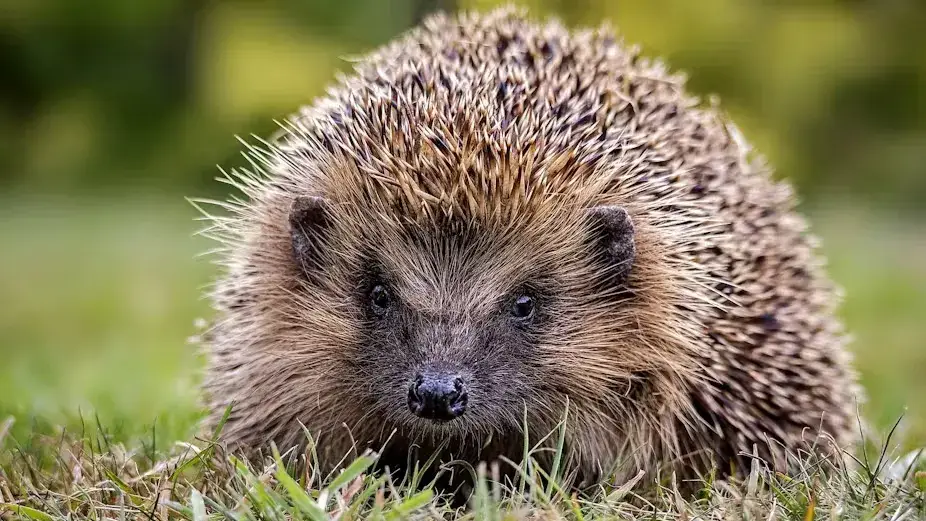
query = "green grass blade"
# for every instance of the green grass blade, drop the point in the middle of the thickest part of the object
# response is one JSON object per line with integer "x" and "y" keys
{"x": 560, "y": 443}
{"x": 126, "y": 489}
{"x": 199, "y": 508}
{"x": 355, "y": 469}
{"x": 222, "y": 422}
{"x": 411, "y": 504}
{"x": 297, "y": 494}
{"x": 361, "y": 498}
{"x": 27, "y": 512}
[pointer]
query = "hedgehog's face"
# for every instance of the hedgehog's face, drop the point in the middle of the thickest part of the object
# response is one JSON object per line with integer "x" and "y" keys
{"x": 433, "y": 354}
{"x": 452, "y": 328}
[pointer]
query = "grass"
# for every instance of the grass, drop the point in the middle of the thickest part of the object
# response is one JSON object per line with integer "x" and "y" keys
{"x": 101, "y": 295}
{"x": 99, "y": 299}
{"x": 72, "y": 478}
{"x": 880, "y": 261}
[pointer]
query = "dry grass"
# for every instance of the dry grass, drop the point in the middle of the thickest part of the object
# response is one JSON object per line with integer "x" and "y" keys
{"x": 73, "y": 477}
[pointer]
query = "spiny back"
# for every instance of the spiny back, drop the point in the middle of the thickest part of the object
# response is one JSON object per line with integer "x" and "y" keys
{"x": 494, "y": 116}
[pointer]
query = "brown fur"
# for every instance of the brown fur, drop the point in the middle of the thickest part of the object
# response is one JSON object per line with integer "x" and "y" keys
{"x": 495, "y": 133}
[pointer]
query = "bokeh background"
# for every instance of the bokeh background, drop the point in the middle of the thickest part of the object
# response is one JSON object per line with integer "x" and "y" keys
{"x": 112, "y": 111}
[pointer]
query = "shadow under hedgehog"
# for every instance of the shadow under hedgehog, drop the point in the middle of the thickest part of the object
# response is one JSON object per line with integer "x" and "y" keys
{"x": 492, "y": 218}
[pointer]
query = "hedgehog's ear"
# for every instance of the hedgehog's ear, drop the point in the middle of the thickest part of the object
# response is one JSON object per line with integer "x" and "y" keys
{"x": 613, "y": 235}
{"x": 308, "y": 220}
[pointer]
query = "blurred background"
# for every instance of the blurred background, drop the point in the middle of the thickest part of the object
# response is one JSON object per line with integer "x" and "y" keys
{"x": 112, "y": 111}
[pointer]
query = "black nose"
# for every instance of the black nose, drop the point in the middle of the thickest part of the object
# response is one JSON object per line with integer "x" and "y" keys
{"x": 437, "y": 396}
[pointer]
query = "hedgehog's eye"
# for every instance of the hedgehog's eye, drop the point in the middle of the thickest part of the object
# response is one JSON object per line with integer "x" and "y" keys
{"x": 523, "y": 307}
{"x": 380, "y": 297}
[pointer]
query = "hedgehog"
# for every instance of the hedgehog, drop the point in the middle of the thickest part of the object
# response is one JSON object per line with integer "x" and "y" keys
{"x": 496, "y": 228}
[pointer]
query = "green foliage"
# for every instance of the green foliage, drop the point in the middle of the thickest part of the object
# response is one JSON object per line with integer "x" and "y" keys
{"x": 150, "y": 91}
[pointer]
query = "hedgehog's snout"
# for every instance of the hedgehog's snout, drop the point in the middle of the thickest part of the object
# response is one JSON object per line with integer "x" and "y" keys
{"x": 439, "y": 396}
